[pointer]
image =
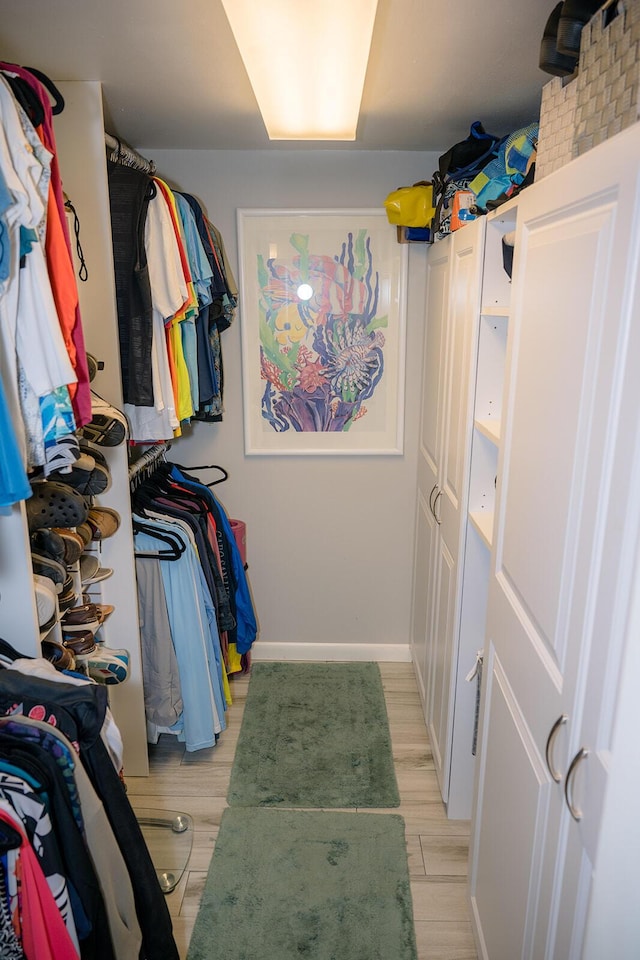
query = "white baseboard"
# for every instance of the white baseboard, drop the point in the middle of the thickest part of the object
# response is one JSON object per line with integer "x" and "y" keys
{"x": 374, "y": 652}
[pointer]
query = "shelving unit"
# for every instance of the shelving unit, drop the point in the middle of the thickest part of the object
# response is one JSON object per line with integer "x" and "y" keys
{"x": 491, "y": 322}
{"x": 492, "y": 348}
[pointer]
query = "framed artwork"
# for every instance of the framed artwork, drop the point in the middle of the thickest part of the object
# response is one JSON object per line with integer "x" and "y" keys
{"x": 322, "y": 306}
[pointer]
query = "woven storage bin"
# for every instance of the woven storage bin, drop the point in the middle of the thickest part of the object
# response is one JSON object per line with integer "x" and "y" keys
{"x": 608, "y": 81}
{"x": 557, "y": 125}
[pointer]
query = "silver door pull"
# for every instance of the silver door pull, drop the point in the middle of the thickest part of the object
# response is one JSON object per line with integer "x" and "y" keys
{"x": 555, "y": 773}
{"x": 575, "y": 812}
{"x": 435, "y": 502}
{"x": 433, "y": 490}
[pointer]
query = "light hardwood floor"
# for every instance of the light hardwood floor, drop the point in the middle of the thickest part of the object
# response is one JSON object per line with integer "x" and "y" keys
{"x": 196, "y": 783}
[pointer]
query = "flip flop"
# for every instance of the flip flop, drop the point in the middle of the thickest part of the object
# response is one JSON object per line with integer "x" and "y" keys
{"x": 54, "y": 504}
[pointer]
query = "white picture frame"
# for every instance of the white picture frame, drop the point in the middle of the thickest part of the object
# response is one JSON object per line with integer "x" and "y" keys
{"x": 323, "y": 324}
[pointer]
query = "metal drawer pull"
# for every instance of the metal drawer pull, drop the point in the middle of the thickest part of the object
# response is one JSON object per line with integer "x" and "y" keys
{"x": 436, "y": 517}
{"x": 575, "y": 812}
{"x": 555, "y": 774}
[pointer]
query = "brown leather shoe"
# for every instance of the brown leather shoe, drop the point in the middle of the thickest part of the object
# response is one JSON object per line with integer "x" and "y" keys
{"x": 81, "y": 643}
{"x": 79, "y": 619}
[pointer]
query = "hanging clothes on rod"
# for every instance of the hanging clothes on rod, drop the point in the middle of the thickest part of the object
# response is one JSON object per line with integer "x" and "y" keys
{"x": 42, "y": 357}
{"x": 193, "y": 599}
{"x": 175, "y": 295}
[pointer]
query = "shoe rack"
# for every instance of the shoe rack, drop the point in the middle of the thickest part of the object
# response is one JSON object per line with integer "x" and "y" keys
{"x": 81, "y": 149}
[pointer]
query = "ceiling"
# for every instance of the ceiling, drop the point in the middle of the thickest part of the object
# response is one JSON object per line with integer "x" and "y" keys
{"x": 173, "y": 78}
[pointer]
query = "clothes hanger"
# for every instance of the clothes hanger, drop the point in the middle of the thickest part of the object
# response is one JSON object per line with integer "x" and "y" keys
{"x": 210, "y": 466}
{"x": 177, "y": 547}
{"x": 151, "y": 489}
{"x": 58, "y": 99}
{"x": 27, "y": 98}
{"x": 161, "y": 486}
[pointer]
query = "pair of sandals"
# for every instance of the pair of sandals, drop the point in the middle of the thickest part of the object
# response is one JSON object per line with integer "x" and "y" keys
{"x": 560, "y": 46}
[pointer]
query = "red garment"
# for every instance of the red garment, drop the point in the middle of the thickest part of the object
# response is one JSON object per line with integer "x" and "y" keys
{"x": 63, "y": 282}
{"x": 69, "y": 316}
{"x": 43, "y": 931}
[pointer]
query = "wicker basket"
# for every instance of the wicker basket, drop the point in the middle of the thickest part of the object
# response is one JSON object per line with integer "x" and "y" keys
{"x": 603, "y": 98}
{"x": 557, "y": 125}
{"x": 609, "y": 75}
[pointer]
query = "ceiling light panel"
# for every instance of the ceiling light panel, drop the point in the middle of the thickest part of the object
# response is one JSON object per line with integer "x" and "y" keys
{"x": 306, "y": 60}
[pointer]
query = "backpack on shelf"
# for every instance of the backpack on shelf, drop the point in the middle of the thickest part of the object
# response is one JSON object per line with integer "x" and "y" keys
{"x": 457, "y": 167}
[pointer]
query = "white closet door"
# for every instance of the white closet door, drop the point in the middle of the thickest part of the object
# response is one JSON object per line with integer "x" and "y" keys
{"x": 433, "y": 383}
{"x": 450, "y": 504}
{"x": 572, "y": 247}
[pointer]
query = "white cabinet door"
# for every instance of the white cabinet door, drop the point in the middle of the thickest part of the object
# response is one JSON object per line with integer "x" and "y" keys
{"x": 432, "y": 412}
{"x": 450, "y": 498}
{"x": 452, "y": 309}
{"x": 568, "y": 322}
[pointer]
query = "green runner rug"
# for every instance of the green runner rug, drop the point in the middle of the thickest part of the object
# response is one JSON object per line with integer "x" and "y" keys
{"x": 285, "y": 884}
{"x": 314, "y": 735}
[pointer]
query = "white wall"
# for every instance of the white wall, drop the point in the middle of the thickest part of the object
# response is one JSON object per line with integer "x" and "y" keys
{"x": 330, "y": 539}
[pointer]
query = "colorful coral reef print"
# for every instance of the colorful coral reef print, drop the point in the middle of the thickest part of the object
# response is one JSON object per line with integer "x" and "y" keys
{"x": 321, "y": 339}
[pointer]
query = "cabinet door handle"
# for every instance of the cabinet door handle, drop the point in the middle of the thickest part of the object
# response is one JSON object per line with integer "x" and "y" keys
{"x": 575, "y": 812}
{"x": 555, "y": 774}
{"x": 433, "y": 509}
{"x": 433, "y": 489}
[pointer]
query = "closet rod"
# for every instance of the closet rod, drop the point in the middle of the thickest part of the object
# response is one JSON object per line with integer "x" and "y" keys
{"x": 148, "y": 457}
{"x": 121, "y": 152}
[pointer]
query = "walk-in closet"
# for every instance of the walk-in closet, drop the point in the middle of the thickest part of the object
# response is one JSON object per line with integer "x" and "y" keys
{"x": 250, "y": 424}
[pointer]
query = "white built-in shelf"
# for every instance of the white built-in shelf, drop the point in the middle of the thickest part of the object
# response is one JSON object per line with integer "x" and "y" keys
{"x": 482, "y": 520}
{"x": 492, "y": 310}
{"x": 489, "y": 429}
